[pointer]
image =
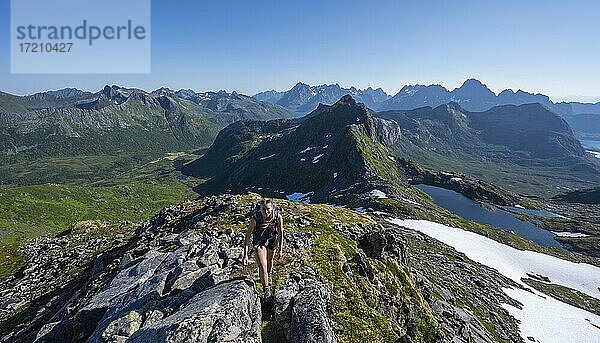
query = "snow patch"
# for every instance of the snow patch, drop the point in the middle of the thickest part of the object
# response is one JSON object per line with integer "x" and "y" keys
{"x": 378, "y": 194}
{"x": 570, "y": 234}
{"x": 299, "y": 197}
{"x": 511, "y": 262}
{"x": 595, "y": 153}
{"x": 307, "y": 149}
{"x": 325, "y": 146}
{"x": 542, "y": 317}
{"x": 316, "y": 158}
{"x": 360, "y": 209}
{"x": 264, "y": 158}
{"x": 334, "y": 175}
{"x": 456, "y": 179}
{"x": 549, "y": 320}
{"x": 392, "y": 158}
{"x": 410, "y": 201}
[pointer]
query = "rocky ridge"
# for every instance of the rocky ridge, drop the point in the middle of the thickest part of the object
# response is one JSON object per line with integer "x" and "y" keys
{"x": 345, "y": 276}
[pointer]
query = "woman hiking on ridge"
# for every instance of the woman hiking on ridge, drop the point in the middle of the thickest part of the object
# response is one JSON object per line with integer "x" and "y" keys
{"x": 266, "y": 230}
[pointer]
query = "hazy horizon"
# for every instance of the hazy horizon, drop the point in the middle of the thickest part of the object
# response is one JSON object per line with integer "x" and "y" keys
{"x": 574, "y": 98}
{"x": 539, "y": 47}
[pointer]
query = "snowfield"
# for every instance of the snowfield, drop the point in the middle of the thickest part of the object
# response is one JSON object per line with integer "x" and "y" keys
{"x": 264, "y": 158}
{"x": 542, "y": 317}
{"x": 376, "y": 193}
{"x": 316, "y": 158}
{"x": 549, "y": 320}
{"x": 595, "y": 153}
{"x": 300, "y": 197}
{"x": 570, "y": 234}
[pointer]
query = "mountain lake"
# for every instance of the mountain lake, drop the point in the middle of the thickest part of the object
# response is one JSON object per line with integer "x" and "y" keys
{"x": 471, "y": 210}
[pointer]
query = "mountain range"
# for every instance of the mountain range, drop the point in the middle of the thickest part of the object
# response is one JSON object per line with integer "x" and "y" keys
{"x": 472, "y": 95}
{"x": 303, "y": 99}
{"x": 376, "y": 259}
{"x": 331, "y": 148}
{"x": 72, "y": 122}
{"x": 333, "y": 151}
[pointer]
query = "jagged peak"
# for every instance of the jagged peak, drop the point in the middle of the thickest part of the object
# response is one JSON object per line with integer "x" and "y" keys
{"x": 300, "y": 85}
{"x": 417, "y": 87}
{"x": 162, "y": 90}
{"x": 346, "y": 100}
{"x": 473, "y": 82}
{"x": 507, "y": 92}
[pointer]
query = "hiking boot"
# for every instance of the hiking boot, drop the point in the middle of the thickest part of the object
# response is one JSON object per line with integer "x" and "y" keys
{"x": 267, "y": 291}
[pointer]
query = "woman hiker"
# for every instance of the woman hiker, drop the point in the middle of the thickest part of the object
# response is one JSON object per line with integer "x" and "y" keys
{"x": 266, "y": 230}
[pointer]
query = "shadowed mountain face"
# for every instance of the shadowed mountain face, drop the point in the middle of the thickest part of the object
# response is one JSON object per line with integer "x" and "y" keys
{"x": 527, "y": 129}
{"x": 72, "y": 122}
{"x": 584, "y": 196}
{"x": 513, "y": 146}
{"x": 332, "y": 149}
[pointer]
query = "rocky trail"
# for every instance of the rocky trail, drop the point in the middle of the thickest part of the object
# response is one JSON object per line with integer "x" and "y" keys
{"x": 344, "y": 277}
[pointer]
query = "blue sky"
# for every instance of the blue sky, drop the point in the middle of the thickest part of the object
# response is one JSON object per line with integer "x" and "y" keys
{"x": 249, "y": 46}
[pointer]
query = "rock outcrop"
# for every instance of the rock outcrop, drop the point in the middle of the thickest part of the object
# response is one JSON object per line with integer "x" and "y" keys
{"x": 179, "y": 278}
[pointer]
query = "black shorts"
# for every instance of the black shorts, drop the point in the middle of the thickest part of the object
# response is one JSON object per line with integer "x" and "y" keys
{"x": 270, "y": 243}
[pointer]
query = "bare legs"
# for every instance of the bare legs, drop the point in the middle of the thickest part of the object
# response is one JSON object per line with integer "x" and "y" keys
{"x": 264, "y": 260}
{"x": 270, "y": 254}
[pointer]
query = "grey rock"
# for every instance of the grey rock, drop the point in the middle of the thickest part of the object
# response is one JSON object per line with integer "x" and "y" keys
{"x": 122, "y": 327}
{"x": 227, "y": 312}
{"x": 301, "y": 309}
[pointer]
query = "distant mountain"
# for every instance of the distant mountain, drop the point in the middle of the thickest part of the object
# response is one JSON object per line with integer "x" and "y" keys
{"x": 477, "y": 97}
{"x": 72, "y": 122}
{"x": 303, "y": 99}
{"x": 472, "y": 96}
{"x": 508, "y": 145}
{"x": 411, "y": 97}
{"x": 326, "y": 154}
{"x": 65, "y": 93}
{"x": 271, "y": 96}
{"x": 530, "y": 128}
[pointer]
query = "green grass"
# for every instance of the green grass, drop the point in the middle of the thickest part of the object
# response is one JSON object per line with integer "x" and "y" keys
{"x": 121, "y": 168}
{"x": 27, "y": 212}
{"x": 50, "y": 207}
{"x": 566, "y": 295}
{"x": 541, "y": 180}
{"x": 354, "y": 301}
{"x": 126, "y": 187}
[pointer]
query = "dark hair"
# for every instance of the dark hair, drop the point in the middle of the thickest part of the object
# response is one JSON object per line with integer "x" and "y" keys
{"x": 265, "y": 201}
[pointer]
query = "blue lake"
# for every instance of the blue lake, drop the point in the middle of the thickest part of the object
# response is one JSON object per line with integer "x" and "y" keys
{"x": 471, "y": 210}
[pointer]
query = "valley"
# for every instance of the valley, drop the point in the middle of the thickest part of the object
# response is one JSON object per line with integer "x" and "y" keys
{"x": 362, "y": 191}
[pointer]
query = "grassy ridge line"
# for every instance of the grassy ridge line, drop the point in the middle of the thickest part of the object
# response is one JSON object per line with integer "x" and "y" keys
{"x": 72, "y": 170}
{"x": 27, "y": 212}
{"x": 125, "y": 188}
